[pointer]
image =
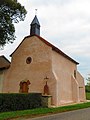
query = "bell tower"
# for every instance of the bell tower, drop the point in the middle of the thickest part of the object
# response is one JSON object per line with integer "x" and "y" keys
{"x": 35, "y": 27}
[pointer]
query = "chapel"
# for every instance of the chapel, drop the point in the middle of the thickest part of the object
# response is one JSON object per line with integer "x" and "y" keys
{"x": 38, "y": 66}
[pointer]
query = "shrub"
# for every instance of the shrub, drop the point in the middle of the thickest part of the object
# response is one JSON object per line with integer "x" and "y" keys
{"x": 87, "y": 88}
{"x": 88, "y": 95}
{"x": 13, "y": 102}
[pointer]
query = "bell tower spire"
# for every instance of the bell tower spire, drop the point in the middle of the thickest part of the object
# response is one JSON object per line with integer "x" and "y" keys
{"x": 35, "y": 26}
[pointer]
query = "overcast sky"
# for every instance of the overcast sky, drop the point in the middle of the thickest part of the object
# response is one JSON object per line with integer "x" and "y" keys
{"x": 64, "y": 23}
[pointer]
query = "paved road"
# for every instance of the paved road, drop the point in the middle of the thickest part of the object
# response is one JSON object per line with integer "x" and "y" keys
{"x": 83, "y": 114}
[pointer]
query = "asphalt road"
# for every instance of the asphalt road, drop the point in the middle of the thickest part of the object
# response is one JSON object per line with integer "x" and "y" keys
{"x": 83, "y": 114}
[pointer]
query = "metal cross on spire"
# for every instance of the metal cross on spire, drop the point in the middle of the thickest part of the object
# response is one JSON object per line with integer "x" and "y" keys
{"x": 46, "y": 78}
{"x": 36, "y": 11}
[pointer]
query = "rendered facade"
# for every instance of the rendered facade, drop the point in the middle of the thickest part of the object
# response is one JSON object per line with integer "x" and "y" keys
{"x": 40, "y": 67}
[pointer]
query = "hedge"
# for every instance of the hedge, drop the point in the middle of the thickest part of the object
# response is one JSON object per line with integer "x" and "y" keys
{"x": 13, "y": 102}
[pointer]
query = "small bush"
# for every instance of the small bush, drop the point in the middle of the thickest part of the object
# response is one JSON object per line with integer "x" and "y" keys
{"x": 88, "y": 95}
{"x": 13, "y": 102}
{"x": 87, "y": 88}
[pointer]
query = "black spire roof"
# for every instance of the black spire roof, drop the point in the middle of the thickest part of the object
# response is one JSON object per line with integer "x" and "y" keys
{"x": 35, "y": 21}
{"x": 35, "y": 27}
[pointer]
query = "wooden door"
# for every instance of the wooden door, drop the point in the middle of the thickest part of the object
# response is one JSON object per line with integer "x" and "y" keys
{"x": 24, "y": 87}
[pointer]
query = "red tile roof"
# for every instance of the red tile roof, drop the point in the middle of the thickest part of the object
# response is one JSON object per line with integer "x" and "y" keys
{"x": 53, "y": 48}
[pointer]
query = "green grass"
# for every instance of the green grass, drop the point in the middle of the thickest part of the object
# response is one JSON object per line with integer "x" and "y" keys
{"x": 41, "y": 111}
{"x": 88, "y": 95}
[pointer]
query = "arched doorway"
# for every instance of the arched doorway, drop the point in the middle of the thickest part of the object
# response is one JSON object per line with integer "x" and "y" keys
{"x": 24, "y": 86}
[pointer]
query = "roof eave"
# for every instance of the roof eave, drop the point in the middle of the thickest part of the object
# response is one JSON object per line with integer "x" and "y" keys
{"x": 66, "y": 56}
{"x": 5, "y": 59}
{"x": 49, "y": 44}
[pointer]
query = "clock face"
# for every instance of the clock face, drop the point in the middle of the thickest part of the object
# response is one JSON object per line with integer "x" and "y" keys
{"x": 28, "y": 60}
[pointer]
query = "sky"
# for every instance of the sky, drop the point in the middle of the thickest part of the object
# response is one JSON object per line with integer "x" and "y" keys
{"x": 64, "y": 23}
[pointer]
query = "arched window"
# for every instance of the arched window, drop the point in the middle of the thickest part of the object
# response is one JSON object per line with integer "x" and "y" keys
{"x": 75, "y": 73}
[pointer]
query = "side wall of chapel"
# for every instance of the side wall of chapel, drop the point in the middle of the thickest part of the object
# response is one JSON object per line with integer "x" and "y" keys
{"x": 63, "y": 70}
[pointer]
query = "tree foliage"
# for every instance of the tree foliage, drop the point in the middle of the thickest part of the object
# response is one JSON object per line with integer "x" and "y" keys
{"x": 88, "y": 81}
{"x": 87, "y": 87}
{"x": 11, "y": 11}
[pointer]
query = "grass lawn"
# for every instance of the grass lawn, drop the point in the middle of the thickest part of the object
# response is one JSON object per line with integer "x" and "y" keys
{"x": 41, "y": 111}
{"x": 88, "y": 95}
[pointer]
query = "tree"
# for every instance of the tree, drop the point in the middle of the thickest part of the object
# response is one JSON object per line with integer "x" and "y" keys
{"x": 88, "y": 81}
{"x": 87, "y": 87}
{"x": 11, "y": 11}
